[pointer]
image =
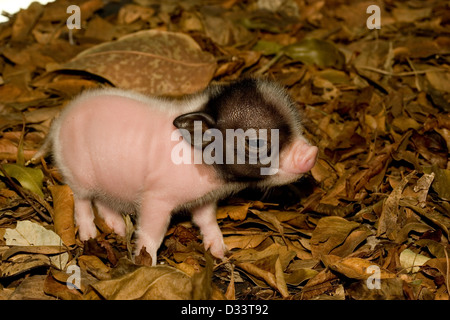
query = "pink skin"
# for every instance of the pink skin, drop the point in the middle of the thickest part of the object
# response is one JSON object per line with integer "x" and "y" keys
{"x": 299, "y": 158}
{"x": 114, "y": 154}
{"x": 117, "y": 150}
{"x": 205, "y": 218}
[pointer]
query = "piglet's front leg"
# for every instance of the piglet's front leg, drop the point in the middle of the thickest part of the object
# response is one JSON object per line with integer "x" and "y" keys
{"x": 153, "y": 221}
{"x": 205, "y": 218}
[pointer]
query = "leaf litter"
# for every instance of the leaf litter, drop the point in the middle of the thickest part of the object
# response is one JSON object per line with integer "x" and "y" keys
{"x": 375, "y": 102}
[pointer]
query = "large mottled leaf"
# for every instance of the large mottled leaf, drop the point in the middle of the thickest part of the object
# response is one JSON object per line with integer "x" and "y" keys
{"x": 151, "y": 61}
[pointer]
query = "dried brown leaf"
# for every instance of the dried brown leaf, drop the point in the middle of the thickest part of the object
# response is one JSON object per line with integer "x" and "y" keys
{"x": 145, "y": 283}
{"x": 244, "y": 242}
{"x": 403, "y": 233}
{"x": 269, "y": 218}
{"x": 317, "y": 285}
{"x": 235, "y": 212}
{"x": 23, "y": 262}
{"x": 388, "y": 220}
{"x": 279, "y": 278}
{"x": 276, "y": 281}
{"x": 151, "y": 61}
{"x": 46, "y": 250}
{"x": 391, "y": 289}
{"x": 94, "y": 266}
{"x": 405, "y": 14}
{"x": 63, "y": 217}
{"x": 330, "y": 233}
{"x": 31, "y": 288}
{"x": 100, "y": 29}
{"x": 201, "y": 281}
{"x": 260, "y": 255}
{"x": 300, "y": 275}
{"x": 60, "y": 290}
{"x": 25, "y": 21}
{"x": 422, "y": 187}
{"x": 129, "y": 13}
{"x": 441, "y": 182}
{"x": 354, "y": 268}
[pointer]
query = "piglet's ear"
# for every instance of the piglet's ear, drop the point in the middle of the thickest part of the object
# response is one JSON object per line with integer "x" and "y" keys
{"x": 186, "y": 121}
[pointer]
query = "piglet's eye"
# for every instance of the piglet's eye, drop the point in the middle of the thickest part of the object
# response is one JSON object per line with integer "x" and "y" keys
{"x": 262, "y": 143}
{"x": 257, "y": 144}
{"x": 253, "y": 143}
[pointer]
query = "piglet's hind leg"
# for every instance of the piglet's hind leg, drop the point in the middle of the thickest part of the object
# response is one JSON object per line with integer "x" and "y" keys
{"x": 84, "y": 217}
{"x": 205, "y": 218}
{"x": 112, "y": 218}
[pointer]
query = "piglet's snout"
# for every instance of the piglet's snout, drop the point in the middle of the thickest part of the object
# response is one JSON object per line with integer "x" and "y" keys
{"x": 302, "y": 157}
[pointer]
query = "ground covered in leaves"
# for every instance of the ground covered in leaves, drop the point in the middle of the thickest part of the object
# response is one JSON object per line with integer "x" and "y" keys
{"x": 371, "y": 220}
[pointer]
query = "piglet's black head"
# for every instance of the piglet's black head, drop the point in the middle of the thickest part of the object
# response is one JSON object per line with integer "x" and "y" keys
{"x": 251, "y": 113}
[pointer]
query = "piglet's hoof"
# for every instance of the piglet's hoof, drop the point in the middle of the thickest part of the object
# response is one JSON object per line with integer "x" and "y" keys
{"x": 144, "y": 258}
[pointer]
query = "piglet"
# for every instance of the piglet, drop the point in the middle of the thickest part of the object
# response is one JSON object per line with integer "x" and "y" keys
{"x": 125, "y": 152}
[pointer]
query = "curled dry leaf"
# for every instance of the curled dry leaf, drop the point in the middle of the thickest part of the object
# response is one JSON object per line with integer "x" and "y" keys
{"x": 148, "y": 283}
{"x": 434, "y": 247}
{"x": 22, "y": 263}
{"x": 318, "y": 284}
{"x": 244, "y": 242}
{"x": 275, "y": 280}
{"x": 388, "y": 220}
{"x": 63, "y": 218}
{"x": 403, "y": 233}
{"x": 235, "y": 212}
{"x": 45, "y": 250}
{"x": 354, "y": 268}
{"x": 25, "y": 21}
{"x": 422, "y": 186}
{"x": 270, "y": 219}
{"x": 94, "y": 266}
{"x": 151, "y": 61}
{"x": 337, "y": 236}
{"x": 260, "y": 255}
{"x": 266, "y": 267}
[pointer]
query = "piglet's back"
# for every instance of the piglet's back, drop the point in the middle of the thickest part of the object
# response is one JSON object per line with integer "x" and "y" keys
{"x": 104, "y": 141}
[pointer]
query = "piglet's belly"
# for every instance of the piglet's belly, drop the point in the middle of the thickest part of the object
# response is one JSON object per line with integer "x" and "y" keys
{"x": 181, "y": 185}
